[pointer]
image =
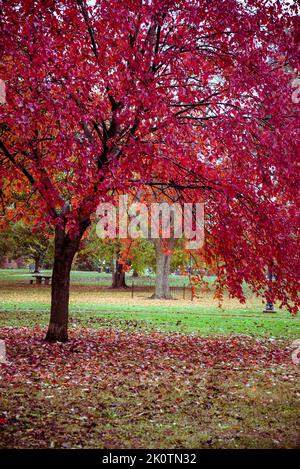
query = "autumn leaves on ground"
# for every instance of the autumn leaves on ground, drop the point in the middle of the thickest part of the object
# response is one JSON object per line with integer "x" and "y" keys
{"x": 133, "y": 384}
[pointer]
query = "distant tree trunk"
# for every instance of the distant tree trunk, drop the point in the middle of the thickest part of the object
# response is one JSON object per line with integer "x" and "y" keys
{"x": 65, "y": 250}
{"x": 37, "y": 262}
{"x": 135, "y": 273}
{"x": 118, "y": 276}
{"x": 163, "y": 262}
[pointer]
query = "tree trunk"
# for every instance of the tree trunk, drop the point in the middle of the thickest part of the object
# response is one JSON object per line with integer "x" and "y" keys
{"x": 118, "y": 276}
{"x": 58, "y": 326}
{"x": 135, "y": 273}
{"x": 37, "y": 261}
{"x": 163, "y": 262}
{"x": 65, "y": 250}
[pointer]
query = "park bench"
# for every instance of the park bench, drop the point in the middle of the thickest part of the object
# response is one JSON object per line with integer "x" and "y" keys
{"x": 40, "y": 278}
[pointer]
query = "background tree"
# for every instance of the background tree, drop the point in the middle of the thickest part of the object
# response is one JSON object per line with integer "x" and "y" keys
{"x": 19, "y": 240}
{"x": 143, "y": 256}
{"x": 7, "y": 245}
{"x": 180, "y": 259}
{"x": 96, "y": 253}
{"x": 32, "y": 245}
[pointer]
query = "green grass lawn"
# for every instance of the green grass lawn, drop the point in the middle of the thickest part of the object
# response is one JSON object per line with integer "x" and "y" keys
{"x": 166, "y": 319}
{"x": 22, "y": 304}
{"x": 90, "y": 278}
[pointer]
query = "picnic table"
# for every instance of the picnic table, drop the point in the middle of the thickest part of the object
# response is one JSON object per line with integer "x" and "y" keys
{"x": 40, "y": 278}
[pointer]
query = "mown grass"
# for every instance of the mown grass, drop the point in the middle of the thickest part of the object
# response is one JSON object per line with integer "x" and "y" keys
{"x": 184, "y": 321}
{"x": 97, "y": 306}
{"x": 90, "y": 278}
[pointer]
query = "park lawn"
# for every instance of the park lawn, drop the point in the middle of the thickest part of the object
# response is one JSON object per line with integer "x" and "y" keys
{"x": 111, "y": 388}
{"x": 139, "y": 373}
{"x": 94, "y": 306}
{"x": 28, "y": 305}
{"x": 20, "y": 276}
{"x": 90, "y": 307}
{"x": 23, "y": 276}
{"x": 189, "y": 321}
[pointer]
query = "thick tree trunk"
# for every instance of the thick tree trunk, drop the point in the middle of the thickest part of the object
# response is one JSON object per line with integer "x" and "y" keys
{"x": 163, "y": 262}
{"x": 65, "y": 250}
{"x": 118, "y": 276}
{"x": 58, "y": 327}
{"x": 135, "y": 273}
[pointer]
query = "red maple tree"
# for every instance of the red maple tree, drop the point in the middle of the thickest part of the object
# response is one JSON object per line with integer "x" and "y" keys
{"x": 102, "y": 95}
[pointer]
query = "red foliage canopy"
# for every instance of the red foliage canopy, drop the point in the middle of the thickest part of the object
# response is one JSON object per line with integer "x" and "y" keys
{"x": 197, "y": 93}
